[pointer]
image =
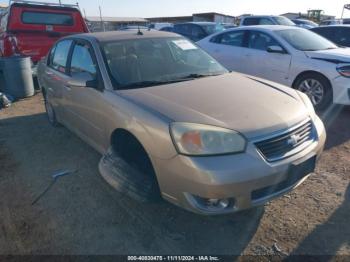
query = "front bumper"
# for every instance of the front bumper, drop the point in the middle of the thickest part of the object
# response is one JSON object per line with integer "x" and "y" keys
{"x": 341, "y": 90}
{"x": 236, "y": 177}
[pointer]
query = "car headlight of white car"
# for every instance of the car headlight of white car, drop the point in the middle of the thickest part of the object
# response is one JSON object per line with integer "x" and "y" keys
{"x": 205, "y": 140}
{"x": 344, "y": 70}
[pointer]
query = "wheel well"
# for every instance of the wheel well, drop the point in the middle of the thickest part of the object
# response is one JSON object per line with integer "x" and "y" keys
{"x": 309, "y": 73}
{"x": 131, "y": 150}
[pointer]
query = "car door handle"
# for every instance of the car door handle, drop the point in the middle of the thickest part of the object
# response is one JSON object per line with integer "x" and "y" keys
{"x": 49, "y": 73}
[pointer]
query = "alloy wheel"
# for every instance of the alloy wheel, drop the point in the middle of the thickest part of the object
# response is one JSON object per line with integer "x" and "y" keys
{"x": 313, "y": 89}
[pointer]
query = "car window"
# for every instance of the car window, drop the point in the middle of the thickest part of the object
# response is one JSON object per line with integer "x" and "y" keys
{"x": 46, "y": 18}
{"x": 281, "y": 20}
{"x": 198, "y": 32}
{"x": 213, "y": 28}
{"x": 325, "y": 31}
{"x": 50, "y": 56}
{"x": 59, "y": 61}
{"x": 234, "y": 38}
{"x": 265, "y": 21}
{"x": 341, "y": 36}
{"x": 305, "y": 40}
{"x": 82, "y": 60}
{"x": 251, "y": 21}
{"x": 183, "y": 29}
{"x": 261, "y": 41}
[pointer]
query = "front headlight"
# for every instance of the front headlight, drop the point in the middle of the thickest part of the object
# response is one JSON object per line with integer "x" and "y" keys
{"x": 203, "y": 140}
{"x": 307, "y": 102}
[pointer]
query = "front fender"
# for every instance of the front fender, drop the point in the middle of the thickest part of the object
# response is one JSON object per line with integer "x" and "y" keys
{"x": 150, "y": 128}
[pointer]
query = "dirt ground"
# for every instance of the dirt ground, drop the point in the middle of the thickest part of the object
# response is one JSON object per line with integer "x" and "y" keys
{"x": 81, "y": 214}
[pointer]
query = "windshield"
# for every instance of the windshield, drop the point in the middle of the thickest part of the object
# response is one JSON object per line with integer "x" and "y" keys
{"x": 147, "y": 62}
{"x": 212, "y": 29}
{"x": 283, "y": 21}
{"x": 305, "y": 40}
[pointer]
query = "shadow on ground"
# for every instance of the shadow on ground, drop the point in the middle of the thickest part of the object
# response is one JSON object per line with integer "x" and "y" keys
{"x": 81, "y": 214}
{"x": 336, "y": 120}
{"x": 331, "y": 236}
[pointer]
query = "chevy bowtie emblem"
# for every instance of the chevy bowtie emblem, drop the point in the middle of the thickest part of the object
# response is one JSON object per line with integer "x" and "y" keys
{"x": 293, "y": 140}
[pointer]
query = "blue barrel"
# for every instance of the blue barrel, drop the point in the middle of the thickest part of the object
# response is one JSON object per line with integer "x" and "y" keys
{"x": 16, "y": 76}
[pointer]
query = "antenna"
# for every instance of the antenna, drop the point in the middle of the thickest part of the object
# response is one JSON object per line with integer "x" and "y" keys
{"x": 102, "y": 23}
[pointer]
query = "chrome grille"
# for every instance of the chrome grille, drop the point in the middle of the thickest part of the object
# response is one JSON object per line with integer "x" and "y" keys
{"x": 287, "y": 143}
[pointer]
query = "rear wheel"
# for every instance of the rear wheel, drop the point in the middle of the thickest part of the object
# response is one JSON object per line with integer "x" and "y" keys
{"x": 50, "y": 112}
{"x": 317, "y": 88}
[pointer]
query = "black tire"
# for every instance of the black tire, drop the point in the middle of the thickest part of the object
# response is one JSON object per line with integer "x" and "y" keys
{"x": 127, "y": 179}
{"x": 128, "y": 169}
{"x": 327, "y": 92}
{"x": 50, "y": 112}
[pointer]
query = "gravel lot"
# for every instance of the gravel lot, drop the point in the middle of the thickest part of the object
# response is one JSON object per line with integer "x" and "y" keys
{"x": 81, "y": 214}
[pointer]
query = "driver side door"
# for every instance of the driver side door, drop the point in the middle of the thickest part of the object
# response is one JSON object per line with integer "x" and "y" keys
{"x": 261, "y": 63}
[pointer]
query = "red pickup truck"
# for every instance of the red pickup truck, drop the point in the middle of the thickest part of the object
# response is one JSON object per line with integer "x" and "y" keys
{"x": 31, "y": 28}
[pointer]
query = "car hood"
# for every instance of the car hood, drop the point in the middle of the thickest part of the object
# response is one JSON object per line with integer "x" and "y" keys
{"x": 337, "y": 56}
{"x": 251, "y": 106}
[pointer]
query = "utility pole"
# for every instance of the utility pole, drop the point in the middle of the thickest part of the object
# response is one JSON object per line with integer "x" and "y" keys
{"x": 60, "y": 2}
{"x": 102, "y": 23}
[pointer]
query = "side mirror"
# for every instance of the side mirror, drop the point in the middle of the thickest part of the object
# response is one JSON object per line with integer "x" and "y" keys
{"x": 82, "y": 79}
{"x": 275, "y": 49}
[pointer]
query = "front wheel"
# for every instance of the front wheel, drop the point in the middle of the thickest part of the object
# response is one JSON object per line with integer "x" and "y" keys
{"x": 317, "y": 88}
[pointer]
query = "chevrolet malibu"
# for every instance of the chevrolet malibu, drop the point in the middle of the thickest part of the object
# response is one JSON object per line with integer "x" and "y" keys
{"x": 171, "y": 122}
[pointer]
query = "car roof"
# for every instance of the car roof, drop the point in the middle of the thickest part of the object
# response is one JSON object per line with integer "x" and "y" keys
{"x": 266, "y": 27}
{"x": 199, "y": 23}
{"x": 300, "y": 19}
{"x": 125, "y": 35}
{"x": 257, "y": 16}
{"x": 337, "y": 25}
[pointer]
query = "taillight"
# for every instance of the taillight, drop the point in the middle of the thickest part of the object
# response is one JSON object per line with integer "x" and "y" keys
{"x": 11, "y": 46}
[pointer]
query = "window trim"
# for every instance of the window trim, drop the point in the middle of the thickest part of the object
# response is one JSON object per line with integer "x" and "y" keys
{"x": 99, "y": 78}
{"x": 68, "y": 55}
{"x": 55, "y": 13}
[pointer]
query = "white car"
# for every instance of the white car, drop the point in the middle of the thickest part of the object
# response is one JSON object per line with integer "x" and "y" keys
{"x": 292, "y": 56}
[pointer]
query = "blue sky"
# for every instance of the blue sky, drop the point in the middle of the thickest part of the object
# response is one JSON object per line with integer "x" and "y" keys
{"x": 149, "y": 8}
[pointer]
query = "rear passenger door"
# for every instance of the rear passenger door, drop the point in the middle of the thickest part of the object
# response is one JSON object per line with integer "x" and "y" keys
{"x": 228, "y": 48}
{"x": 261, "y": 63}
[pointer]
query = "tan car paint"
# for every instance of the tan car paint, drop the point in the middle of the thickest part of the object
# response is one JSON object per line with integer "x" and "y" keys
{"x": 254, "y": 107}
